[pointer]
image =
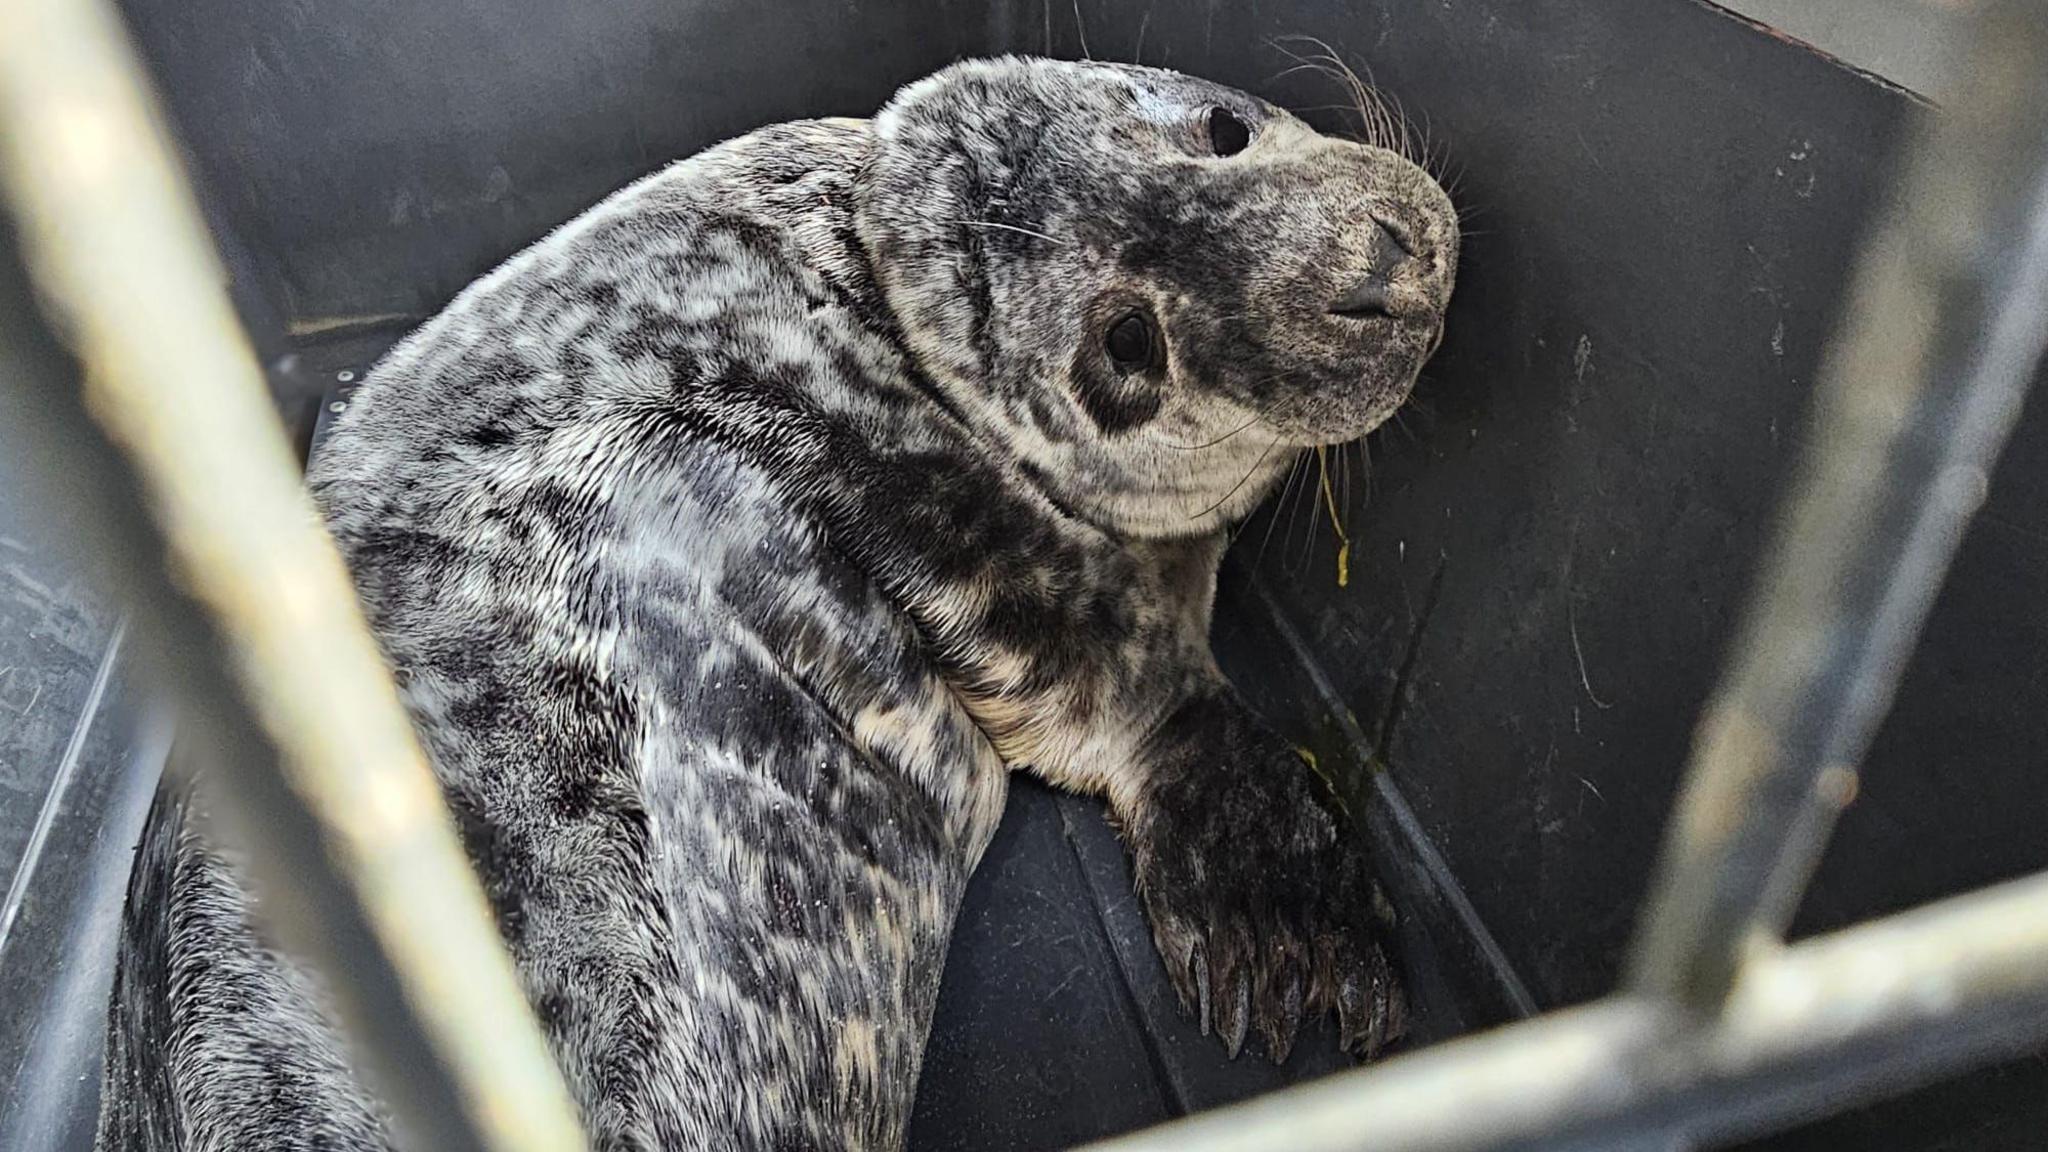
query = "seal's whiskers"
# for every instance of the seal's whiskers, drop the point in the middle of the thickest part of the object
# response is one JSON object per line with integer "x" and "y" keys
{"x": 1012, "y": 228}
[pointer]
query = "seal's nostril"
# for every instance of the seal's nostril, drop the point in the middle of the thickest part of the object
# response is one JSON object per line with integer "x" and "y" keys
{"x": 1395, "y": 234}
{"x": 1367, "y": 298}
{"x": 1389, "y": 249}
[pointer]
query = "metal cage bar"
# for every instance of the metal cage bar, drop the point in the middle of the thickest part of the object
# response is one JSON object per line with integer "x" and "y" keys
{"x": 311, "y": 763}
{"x": 1722, "y": 1031}
{"x": 1944, "y": 324}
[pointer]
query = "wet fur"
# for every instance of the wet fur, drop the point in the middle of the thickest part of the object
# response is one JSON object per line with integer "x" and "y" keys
{"x": 732, "y": 544}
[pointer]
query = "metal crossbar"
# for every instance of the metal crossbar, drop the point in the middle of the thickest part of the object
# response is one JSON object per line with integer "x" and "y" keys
{"x": 1810, "y": 1030}
{"x": 1721, "y": 1029}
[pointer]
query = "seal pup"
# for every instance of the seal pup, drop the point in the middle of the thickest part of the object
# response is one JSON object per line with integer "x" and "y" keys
{"x": 732, "y": 545}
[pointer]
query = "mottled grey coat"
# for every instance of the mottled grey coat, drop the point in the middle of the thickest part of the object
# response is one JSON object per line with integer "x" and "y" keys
{"x": 732, "y": 544}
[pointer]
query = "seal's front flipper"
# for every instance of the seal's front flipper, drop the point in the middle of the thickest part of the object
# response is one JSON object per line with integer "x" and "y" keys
{"x": 1261, "y": 901}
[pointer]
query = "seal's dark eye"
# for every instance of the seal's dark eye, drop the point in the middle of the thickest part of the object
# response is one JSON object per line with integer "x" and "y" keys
{"x": 1227, "y": 134}
{"x": 1131, "y": 342}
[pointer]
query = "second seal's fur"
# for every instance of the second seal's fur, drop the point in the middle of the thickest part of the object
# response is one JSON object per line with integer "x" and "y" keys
{"x": 734, "y": 542}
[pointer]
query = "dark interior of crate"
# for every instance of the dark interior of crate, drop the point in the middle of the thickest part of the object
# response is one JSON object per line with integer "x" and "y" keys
{"x": 1549, "y": 546}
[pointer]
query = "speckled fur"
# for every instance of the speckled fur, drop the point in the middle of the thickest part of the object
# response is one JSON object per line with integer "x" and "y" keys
{"x": 732, "y": 544}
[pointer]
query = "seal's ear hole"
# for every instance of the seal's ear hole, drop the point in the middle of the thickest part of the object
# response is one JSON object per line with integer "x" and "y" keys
{"x": 1132, "y": 342}
{"x": 1227, "y": 134}
{"x": 1119, "y": 377}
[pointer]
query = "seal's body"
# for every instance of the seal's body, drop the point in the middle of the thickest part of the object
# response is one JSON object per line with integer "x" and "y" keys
{"x": 733, "y": 543}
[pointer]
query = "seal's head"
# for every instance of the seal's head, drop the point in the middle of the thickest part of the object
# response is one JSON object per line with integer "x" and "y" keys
{"x": 1150, "y": 288}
